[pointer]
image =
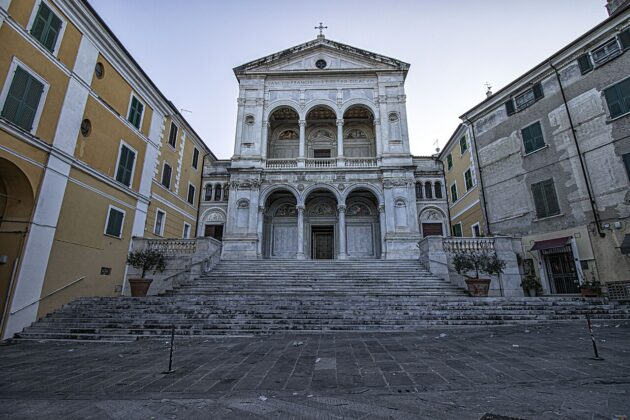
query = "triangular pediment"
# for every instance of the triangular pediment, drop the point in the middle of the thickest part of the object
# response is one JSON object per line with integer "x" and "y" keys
{"x": 330, "y": 55}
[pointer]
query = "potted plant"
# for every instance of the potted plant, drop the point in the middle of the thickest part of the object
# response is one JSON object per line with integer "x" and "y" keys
{"x": 591, "y": 288}
{"x": 145, "y": 260}
{"x": 531, "y": 284}
{"x": 477, "y": 262}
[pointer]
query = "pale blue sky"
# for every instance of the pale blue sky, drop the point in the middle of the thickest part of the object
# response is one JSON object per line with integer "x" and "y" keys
{"x": 189, "y": 47}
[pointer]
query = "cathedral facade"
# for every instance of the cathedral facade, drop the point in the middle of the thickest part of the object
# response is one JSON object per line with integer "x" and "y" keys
{"x": 321, "y": 166}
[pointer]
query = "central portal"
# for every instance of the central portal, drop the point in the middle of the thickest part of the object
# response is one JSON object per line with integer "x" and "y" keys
{"x": 323, "y": 247}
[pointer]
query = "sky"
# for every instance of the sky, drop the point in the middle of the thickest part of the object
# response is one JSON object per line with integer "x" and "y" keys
{"x": 189, "y": 48}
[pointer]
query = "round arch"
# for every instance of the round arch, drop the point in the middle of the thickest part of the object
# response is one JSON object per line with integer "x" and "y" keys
{"x": 432, "y": 215}
{"x": 327, "y": 187}
{"x": 378, "y": 193}
{"x": 210, "y": 210}
{"x": 359, "y": 102}
{"x": 264, "y": 194}
{"x": 327, "y": 103}
{"x": 295, "y": 106}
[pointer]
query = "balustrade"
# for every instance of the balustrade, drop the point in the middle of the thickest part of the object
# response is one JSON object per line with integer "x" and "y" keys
{"x": 456, "y": 245}
{"x": 172, "y": 246}
{"x": 281, "y": 163}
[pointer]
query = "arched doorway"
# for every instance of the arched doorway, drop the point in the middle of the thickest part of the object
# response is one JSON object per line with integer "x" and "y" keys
{"x": 16, "y": 208}
{"x": 362, "y": 221}
{"x": 280, "y": 225}
{"x": 432, "y": 222}
{"x": 213, "y": 222}
{"x": 321, "y": 236}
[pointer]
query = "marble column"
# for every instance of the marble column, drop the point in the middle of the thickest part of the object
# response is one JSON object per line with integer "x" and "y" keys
{"x": 302, "y": 143}
{"x": 341, "y": 208}
{"x": 259, "y": 231}
{"x": 381, "y": 213}
{"x": 340, "y": 157}
{"x": 263, "y": 146}
{"x": 300, "y": 233}
{"x": 377, "y": 138}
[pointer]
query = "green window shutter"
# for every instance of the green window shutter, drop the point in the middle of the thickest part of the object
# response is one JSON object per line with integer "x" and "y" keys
{"x": 125, "y": 166}
{"x": 22, "y": 99}
{"x": 114, "y": 223}
{"x": 195, "y": 161}
{"x": 166, "y": 176}
{"x": 54, "y": 26}
{"x": 449, "y": 161}
{"x": 584, "y": 62}
{"x": 457, "y": 230}
{"x": 191, "y": 194}
{"x": 550, "y": 198}
{"x": 46, "y": 27}
{"x": 135, "y": 112}
{"x": 509, "y": 107}
{"x": 172, "y": 135}
{"x": 462, "y": 145}
{"x": 539, "y": 200}
{"x": 533, "y": 137}
{"x": 538, "y": 91}
{"x": 626, "y": 162}
{"x": 454, "y": 193}
{"x": 618, "y": 98}
{"x": 468, "y": 178}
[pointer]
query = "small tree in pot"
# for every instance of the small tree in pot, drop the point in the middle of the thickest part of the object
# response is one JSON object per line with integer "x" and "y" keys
{"x": 466, "y": 263}
{"x": 145, "y": 260}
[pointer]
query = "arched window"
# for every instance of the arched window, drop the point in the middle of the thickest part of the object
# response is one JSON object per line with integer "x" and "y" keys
{"x": 208, "y": 192}
{"x": 418, "y": 190}
{"x": 438, "y": 189}
{"x": 427, "y": 190}
{"x": 226, "y": 193}
{"x": 217, "y": 192}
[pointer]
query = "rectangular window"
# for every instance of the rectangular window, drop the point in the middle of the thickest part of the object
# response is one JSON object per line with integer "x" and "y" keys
{"x": 158, "y": 228}
{"x": 606, "y": 52}
{"x": 186, "y": 233}
{"x": 191, "y": 194}
{"x": 46, "y": 27}
{"x": 468, "y": 179}
{"x": 545, "y": 199}
{"x": 115, "y": 219}
{"x": 449, "y": 161}
{"x": 509, "y": 107}
{"x": 124, "y": 169}
{"x": 533, "y": 137}
{"x": 195, "y": 160}
{"x": 172, "y": 135}
{"x": 135, "y": 112}
{"x": 463, "y": 146}
{"x": 321, "y": 153}
{"x": 22, "y": 101}
{"x": 457, "y": 230}
{"x": 585, "y": 64}
{"x": 529, "y": 97}
{"x": 476, "y": 232}
{"x": 454, "y": 192}
{"x": 166, "y": 175}
{"x": 618, "y": 98}
{"x": 626, "y": 162}
{"x": 624, "y": 39}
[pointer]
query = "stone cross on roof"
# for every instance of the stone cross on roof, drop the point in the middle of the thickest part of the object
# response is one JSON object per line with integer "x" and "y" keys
{"x": 321, "y": 28}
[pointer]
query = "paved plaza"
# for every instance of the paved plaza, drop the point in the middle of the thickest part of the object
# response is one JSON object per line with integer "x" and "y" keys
{"x": 525, "y": 372}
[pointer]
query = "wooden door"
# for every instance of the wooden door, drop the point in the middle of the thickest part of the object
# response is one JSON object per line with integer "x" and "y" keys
{"x": 323, "y": 245}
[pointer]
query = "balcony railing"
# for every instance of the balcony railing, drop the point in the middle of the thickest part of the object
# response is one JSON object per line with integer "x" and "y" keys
{"x": 172, "y": 246}
{"x": 322, "y": 163}
{"x": 456, "y": 245}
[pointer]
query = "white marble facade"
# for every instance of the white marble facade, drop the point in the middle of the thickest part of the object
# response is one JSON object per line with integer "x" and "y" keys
{"x": 321, "y": 165}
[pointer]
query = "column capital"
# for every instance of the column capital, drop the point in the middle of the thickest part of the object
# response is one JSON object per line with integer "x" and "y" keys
{"x": 261, "y": 209}
{"x": 302, "y": 123}
{"x": 376, "y": 121}
{"x": 381, "y": 208}
{"x": 341, "y": 208}
{"x": 340, "y": 122}
{"x": 300, "y": 208}
{"x": 266, "y": 123}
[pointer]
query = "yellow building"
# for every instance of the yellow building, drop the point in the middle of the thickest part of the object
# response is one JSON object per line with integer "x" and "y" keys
{"x": 85, "y": 137}
{"x": 463, "y": 191}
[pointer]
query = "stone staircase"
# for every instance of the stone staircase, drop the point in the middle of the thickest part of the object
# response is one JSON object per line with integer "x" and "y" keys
{"x": 274, "y": 296}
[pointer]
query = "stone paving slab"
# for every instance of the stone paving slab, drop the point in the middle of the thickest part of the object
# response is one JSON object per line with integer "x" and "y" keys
{"x": 525, "y": 372}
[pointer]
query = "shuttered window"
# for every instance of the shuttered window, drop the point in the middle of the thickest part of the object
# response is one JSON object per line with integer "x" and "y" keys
{"x": 46, "y": 27}
{"x": 195, "y": 159}
{"x": 545, "y": 199}
{"x": 509, "y": 107}
{"x": 191, "y": 194}
{"x": 457, "y": 230}
{"x": 22, "y": 99}
{"x": 158, "y": 228}
{"x": 172, "y": 135}
{"x": 166, "y": 175}
{"x": 618, "y": 98}
{"x": 585, "y": 63}
{"x": 454, "y": 193}
{"x": 449, "y": 161}
{"x": 114, "y": 222}
{"x": 135, "y": 112}
{"x": 463, "y": 146}
{"x": 124, "y": 170}
{"x": 533, "y": 137}
{"x": 468, "y": 179}
{"x": 624, "y": 39}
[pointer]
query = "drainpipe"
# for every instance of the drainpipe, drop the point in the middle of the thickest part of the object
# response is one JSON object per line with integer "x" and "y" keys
{"x": 448, "y": 208}
{"x": 582, "y": 163}
{"x": 481, "y": 189}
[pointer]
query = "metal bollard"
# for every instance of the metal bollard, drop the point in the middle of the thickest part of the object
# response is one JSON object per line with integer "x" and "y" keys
{"x": 170, "y": 357}
{"x": 590, "y": 330}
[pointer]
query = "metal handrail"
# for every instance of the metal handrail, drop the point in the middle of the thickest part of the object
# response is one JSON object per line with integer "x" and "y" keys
{"x": 187, "y": 270}
{"x": 48, "y": 295}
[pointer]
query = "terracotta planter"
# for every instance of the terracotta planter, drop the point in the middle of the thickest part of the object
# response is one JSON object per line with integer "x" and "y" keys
{"x": 139, "y": 287}
{"x": 590, "y": 291}
{"x": 478, "y": 287}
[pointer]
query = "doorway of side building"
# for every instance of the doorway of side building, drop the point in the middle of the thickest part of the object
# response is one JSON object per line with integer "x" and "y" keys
{"x": 561, "y": 271}
{"x": 215, "y": 231}
{"x": 323, "y": 242}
